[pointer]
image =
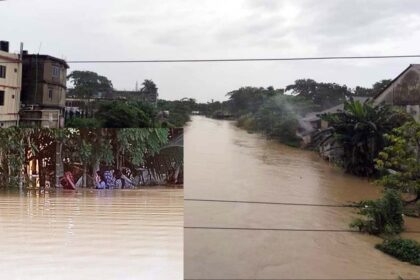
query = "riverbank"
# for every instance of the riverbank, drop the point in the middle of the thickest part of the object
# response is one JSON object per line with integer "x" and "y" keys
{"x": 249, "y": 200}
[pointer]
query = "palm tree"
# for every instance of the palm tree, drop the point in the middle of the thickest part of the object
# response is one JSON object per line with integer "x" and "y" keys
{"x": 359, "y": 131}
{"x": 150, "y": 88}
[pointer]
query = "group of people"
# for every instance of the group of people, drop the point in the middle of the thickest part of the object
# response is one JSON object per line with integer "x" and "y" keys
{"x": 104, "y": 179}
{"x": 113, "y": 179}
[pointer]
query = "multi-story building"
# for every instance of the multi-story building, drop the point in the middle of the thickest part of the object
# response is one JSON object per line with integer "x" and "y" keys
{"x": 43, "y": 91}
{"x": 10, "y": 86}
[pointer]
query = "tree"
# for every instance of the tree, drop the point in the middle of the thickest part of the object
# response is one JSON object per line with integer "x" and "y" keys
{"x": 400, "y": 160}
{"x": 119, "y": 114}
{"x": 86, "y": 84}
{"x": 249, "y": 99}
{"x": 380, "y": 86}
{"x": 278, "y": 118}
{"x": 374, "y": 90}
{"x": 359, "y": 130}
{"x": 325, "y": 95}
{"x": 150, "y": 88}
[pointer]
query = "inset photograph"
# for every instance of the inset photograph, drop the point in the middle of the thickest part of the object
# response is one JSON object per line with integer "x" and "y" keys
{"x": 91, "y": 203}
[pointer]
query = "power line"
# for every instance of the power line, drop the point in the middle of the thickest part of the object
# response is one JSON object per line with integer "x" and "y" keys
{"x": 238, "y": 59}
{"x": 275, "y": 203}
{"x": 246, "y": 59}
{"x": 282, "y": 229}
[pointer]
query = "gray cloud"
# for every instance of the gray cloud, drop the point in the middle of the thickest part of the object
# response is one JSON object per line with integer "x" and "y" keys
{"x": 150, "y": 29}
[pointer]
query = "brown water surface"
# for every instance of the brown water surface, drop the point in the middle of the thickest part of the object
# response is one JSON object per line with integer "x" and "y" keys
{"x": 230, "y": 240}
{"x": 121, "y": 234}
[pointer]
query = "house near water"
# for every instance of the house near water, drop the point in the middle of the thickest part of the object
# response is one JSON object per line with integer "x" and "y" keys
{"x": 10, "y": 86}
{"x": 403, "y": 91}
{"x": 32, "y": 89}
{"x": 43, "y": 91}
{"x": 312, "y": 122}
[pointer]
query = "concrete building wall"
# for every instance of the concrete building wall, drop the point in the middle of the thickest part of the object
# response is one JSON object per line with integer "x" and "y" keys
{"x": 10, "y": 89}
{"x": 404, "y": 92}
{"x": 42, "y": 118}
{"x": 43, "y": 91}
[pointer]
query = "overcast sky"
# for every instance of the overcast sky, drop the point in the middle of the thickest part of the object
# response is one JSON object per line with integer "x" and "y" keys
{"x": 196, "y": 29}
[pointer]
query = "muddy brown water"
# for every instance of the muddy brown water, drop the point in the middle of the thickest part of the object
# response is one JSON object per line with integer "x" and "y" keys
{"x": 121, "y": 234}
{"x": 228, "y": 240}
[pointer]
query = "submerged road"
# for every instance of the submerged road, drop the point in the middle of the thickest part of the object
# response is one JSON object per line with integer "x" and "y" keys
{"x": 256, "y": 209}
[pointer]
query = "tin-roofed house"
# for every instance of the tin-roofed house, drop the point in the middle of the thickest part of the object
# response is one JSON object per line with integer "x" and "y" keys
{"x": 43, "y": 91}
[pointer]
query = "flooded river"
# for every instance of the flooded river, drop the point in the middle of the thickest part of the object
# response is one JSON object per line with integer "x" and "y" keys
{"x": 275, "y": 236}
{"x": 121, "y": 234}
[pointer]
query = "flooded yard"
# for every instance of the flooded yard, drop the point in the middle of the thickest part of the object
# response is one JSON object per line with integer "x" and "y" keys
{"x": 92, "y": 234}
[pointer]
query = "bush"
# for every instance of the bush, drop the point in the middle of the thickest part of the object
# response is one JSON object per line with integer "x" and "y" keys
{"x": 405, "y": 250}
{"x": 120, "y": 114}
{"x": 247, "y": 122}
{"x": 83, "y": 123}
{"x": 383, "y": 216}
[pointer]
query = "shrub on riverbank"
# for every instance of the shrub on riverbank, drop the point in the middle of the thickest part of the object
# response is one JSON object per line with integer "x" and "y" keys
{"x": 399, "y": 162}
{"x": 405, "y": 250}
{"x": 383, "y": 216}
{"x": 247, "y": 122}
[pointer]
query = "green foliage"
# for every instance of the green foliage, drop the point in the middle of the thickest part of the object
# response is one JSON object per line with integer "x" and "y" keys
{"x": 118, "y": 114}
{"x": 325, "y": 95}
{"x": 405, "y": 250}
{"x": 249, "y": 99}
{"x": 179, "y": 111}
{"x": 86, "y": 84}
{"x": 382, "y": 216}
{"x": 247, "y": 122}
{"x": 149, "y": 87}
{"x": 360, "y": 130}
{"x": 83, "y": 123}
{"x": 278, "y": 118}
{"x": 89, "y": 146}
{"x": 139, "y": 142}
{"x": 400, "y": 160}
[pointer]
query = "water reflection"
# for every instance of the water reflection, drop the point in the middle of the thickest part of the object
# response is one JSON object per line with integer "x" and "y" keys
{"x": 109, "y": 234}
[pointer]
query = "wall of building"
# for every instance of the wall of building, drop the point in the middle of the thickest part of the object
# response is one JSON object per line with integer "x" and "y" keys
{"x": 43, "y": 91}
{"x": 38, "y": 80}
{"x": 404, "y": 92}
{"x": 42, "y": 118}
{"x": 11, "y": 86}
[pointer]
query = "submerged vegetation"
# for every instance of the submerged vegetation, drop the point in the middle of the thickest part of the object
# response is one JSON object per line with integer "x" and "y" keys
{"x": 405, "y": 250}
{"x": 48, "y": 153}
{"x": 382, "y": 216}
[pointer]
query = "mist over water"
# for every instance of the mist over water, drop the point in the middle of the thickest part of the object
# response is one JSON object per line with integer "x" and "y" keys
{"x": 224, "y": 162}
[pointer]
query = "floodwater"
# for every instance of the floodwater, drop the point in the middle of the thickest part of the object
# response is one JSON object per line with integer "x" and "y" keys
{"x": 96, "y": 234}
{"x": 233, "y": 239}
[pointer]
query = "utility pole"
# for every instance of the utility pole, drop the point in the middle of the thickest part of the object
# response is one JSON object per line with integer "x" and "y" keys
{"x": 20, "y": 73}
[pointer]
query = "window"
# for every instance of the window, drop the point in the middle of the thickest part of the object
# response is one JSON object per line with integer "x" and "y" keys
{"x": 56, "y": 71}
{"x": 2, "y": 71}
{"x": 50, "y": 93}
{"x": 1, "y": 98}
